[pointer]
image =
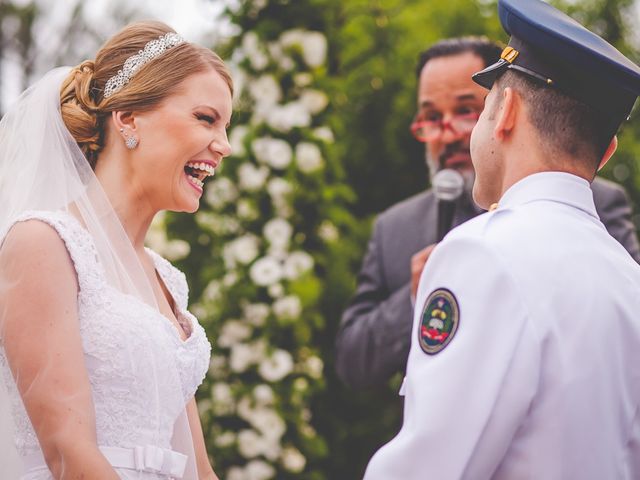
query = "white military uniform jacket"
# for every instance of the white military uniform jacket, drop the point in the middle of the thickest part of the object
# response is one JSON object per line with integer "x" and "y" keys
{"x": 525, "y": 353}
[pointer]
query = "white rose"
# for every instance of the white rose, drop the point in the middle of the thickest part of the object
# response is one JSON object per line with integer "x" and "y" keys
{"x": 236, "y": 473}
{"x": 217, "y": 365}
{"x": 308, "y": 157}
{"x": 302, "y": 79}
{"x": 287, "y": 308}
{"x": 175, "y": 250}
{"x": 250, "y": 444}
{"x": 251, "y": 177}
{"x": 246, "y": 210}
{"x": 292, "y": 115}
{"x": 278, "y": 232}
{"x": 212, "y": 291}
{"x": 259, "y": 470}
{"x": 233, "y": 331}
{"x": 328, "y": 231}
{"x": 242, "y": 356}
{"x": 314, "y": 49}
{"x": 293, "y": 460}
{"x": 301, "y": 384}
{"x": 266, "y": 271}
{"x": 263, "y": 394}
{"x": 245, "y": 249}
{"x": 278, "y": 188}
{"x": 256, "y": 313}
{"x": 323, "y": 133}
{"x": 222, "y": 399}
{"x": 276, "y": 290}
{"x": 314, "y": 367}
{"x": 225, "y": 439}
{"x": 269, "y": 423}
{"x": 236, "y": 140}
{"x": 277, "y": 366}
{"x": 271, "y": 448}
{"x": 220, "y": 191}
{"x": 274, "y": 152}
{"x": 230, "y": 279}
{"x": 296, "y": 264}
{"x": 315, "y": 100}
{"x": 265, "y": 90}
{"x": 245, "y": 410}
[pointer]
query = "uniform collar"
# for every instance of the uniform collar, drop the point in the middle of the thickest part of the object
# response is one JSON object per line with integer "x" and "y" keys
{"x": 559, "y": 187}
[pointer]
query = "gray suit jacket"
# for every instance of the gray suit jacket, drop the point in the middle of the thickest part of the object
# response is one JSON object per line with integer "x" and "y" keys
{"x": 375, "y": 331}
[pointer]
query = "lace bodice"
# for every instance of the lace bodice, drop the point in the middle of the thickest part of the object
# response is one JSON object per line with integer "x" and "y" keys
{"x": 112, "y": 326}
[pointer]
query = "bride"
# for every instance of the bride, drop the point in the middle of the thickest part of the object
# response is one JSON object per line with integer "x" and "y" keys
{"x": 99, "y": 357}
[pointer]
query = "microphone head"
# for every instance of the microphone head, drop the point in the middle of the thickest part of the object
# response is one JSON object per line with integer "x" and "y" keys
{"x": 448, "y": 185}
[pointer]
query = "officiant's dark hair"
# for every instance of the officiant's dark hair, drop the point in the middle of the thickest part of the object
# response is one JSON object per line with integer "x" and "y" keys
{"x": 83, "y": 105}
{"x": 484, "y": 48}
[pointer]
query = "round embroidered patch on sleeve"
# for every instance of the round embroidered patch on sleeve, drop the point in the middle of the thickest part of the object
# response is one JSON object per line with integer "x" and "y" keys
{"x": 439, "y": 322}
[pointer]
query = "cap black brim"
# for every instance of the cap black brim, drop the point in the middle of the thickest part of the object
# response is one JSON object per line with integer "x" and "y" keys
{"x": 486, "y": 77}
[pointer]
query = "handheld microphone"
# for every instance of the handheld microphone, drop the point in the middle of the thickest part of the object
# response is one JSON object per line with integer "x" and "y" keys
{"x": 448, "y": 186}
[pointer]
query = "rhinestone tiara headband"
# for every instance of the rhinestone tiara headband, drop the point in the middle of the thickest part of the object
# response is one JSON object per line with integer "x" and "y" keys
{"x": 151, "y": 50}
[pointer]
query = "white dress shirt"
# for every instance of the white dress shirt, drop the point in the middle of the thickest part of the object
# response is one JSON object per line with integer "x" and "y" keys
{"x": 541, "y": 379}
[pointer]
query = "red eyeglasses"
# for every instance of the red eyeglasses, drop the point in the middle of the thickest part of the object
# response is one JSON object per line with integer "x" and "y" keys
{"x": 428, "y": 130}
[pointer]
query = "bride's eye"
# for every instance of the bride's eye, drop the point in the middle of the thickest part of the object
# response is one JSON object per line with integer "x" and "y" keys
{"x": 207, "y": 118}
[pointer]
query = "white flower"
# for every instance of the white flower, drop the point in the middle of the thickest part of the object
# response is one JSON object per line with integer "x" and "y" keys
{"x": 230, "y": 278}
{"x": 233, "y": 331}
{"x": 253, "y": 51}
{"x": 314, "y": 49}
{"x": 256, "y": 313}
{"x": 276, "y": 290}
{"x": 266, "y": 271}
{"x": 250, "y": 444}
{"x": 236, "y": 473}
{"x": 302, "y": 79}
{"x": 259, "y": 470}
{"x": 313, "y": 45}
{"x": 246, "y": 210}
{"x": 323, "y": 133}
{"x": 277, "y": 366}
{"x": 204, "y": 406}
{"x": 308, "y": 157}
{"x": 245, "y": 410}
{"x": 220, "y": 191}
{"x": 265, "y": 91}
{"x": 242, "y": 356}
{"x": 293, "y": 460}
{"x": 287, "y": 308}
{"x": 301, "y": 384}
{"x": 278, "y": 232}
{"x": 269, "y": 423}
{"x": 274, "y": 152}
{"x": 236, "y": 140}
{"x": 252, "y": 177}
{"x": 225, "y": 439}
{"x": 315, "y": 100}
{"x": 263, "y": 394}
{"x": 314, "y": 366}
{"x": 175, "y": 250}
{"x": 217, "y": 365}
{"x": 328, "y": 231}
{"x": 222, "y": 399}
{"x": 242, "y": 249}
{"x": 296, "y": 264}
{"x": 292, "y": 115}
{"x": 278, "y": 188}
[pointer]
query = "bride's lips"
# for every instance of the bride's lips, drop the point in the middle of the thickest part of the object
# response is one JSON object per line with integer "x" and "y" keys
{"x": 197, "y": 182}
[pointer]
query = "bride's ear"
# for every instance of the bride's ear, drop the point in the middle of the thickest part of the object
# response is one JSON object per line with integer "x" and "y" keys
{"x": 124, "y": 119}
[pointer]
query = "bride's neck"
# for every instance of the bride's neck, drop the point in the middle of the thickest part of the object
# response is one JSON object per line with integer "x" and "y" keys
{"x": 126, "y": 194}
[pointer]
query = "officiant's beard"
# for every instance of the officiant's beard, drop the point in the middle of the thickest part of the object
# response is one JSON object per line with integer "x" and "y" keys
{"x": 434, "y": 165}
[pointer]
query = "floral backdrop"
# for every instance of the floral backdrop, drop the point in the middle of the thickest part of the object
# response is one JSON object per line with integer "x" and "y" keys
{"x": 262, "y": 240}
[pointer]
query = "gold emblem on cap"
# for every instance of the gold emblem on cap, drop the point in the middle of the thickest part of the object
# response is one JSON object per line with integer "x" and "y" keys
{"x": 509, "y": 54}
{"x": 493, "y": 207}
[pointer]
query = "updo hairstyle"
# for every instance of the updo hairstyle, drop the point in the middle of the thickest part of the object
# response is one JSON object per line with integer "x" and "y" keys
{"x": 83, "y": 106}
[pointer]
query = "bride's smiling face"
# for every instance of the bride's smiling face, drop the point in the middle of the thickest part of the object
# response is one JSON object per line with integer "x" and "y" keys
{"x": 182, "y": 142}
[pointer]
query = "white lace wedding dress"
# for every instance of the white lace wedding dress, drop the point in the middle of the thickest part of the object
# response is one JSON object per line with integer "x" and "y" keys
{"x": 135, "y": 431}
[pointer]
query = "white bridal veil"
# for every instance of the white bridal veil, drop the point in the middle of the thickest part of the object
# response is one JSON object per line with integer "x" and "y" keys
{"x": 42, "y": 168}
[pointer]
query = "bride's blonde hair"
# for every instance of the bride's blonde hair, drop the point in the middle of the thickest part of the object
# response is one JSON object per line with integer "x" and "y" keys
{"x": 83, "y": 105}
